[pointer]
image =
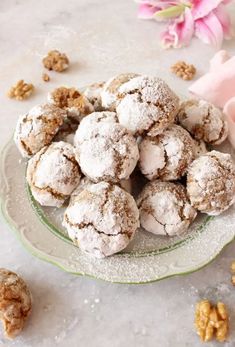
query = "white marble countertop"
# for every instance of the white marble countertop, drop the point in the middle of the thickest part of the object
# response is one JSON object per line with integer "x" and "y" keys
{"x": 101, "y": 38}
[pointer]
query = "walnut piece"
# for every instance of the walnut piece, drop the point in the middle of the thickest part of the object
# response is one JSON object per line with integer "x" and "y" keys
{"x": 21, "y": 90}
{"x": 15, "y": 302}
{"x": 211, "y": 320}
{"x": 45, "y": 77}
{"x": 56, "y": 61}
{"x": 184, "y": 70}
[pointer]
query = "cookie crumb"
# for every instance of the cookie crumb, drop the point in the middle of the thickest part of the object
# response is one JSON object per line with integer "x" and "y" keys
{"x": 45, "y": 77}
{"x": 211, "y": 321}
{"x": 56, "y": 61}
{"x": 21, "y": 90}
{"x": 184, "y": 70}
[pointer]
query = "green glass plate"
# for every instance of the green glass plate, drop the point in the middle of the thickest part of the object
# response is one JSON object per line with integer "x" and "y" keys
{"x": 148, "y": 258}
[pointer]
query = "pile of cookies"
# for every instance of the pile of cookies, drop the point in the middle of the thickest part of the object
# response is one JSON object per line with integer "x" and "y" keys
{"x": 86, "y": 146}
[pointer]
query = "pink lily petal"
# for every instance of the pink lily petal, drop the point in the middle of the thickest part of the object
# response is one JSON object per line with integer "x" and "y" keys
{"x": 146, "y": 11}
{"x": 202, "y": 8}
{"x": 209, "y": 30}
{"x": 179, "y": 33}
{"x": 225, "y": 20}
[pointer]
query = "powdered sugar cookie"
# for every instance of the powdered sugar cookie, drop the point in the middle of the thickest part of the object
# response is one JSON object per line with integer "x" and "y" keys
{"x": 37, "y": 128}
{"x": 211, "y": 182}
{"x": 109, "y": 94}
{"x": 53, "y": 173}
{"x": 93, "y": 94}
{"x": 106, "y": 151}
{"x": 102, "y": 219}
{"x": 15, "y": 303}
{"x": 147, "y": 105}
{"x": 204, "y": 121}
{"x": 168, "y": 155}
{"x": 165, "y": 209}
{"x": 71, "y": 100}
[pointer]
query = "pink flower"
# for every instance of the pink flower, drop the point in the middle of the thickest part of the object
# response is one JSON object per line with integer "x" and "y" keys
{"x": 206, "y": 19}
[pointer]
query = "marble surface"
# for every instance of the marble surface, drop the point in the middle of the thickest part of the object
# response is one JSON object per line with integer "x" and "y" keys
{"x": 101, "y": 38}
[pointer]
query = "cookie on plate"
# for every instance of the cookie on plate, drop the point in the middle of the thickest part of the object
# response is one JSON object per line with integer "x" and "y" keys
{"x": 37, "y": 128}
{"x": 105, "y": 150}
{"x": 211, "y": 182}
{"x": 165, "y": 208}
{"x": 102, "y": 219}
{"x": 168, "y": 155}
{"x": 204, "y": 121}
{"x": 53, "y": 173}
{"x": 72, "y": 100}
{"x": 110, "y": 91}
{"x": 146, "y": 105}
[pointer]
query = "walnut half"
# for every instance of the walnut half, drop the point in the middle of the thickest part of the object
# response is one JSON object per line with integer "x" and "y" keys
{"x": 211, "y": 320}
{"x": 56, "y": 61}
{"x": 15, "y": 302}
{"x": 21, "y": 90}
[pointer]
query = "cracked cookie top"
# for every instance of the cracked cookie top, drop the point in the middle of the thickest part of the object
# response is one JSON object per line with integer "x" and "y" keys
{"x": 102, "y": 219}
{"x": 211, "y": 182}
{"x": 37, "y": 128}
{"x": 165, "y": 209}
{"x": 204, "y": 121}
{"x": 93, "y": 94}
{"x": 53, "y": 173}
{"x": 146, "y": 105}
{"x": 105, "y": 150}
{"x": 72, "y": 100}
{"x": 15, "y": 303}
{"x": 109, "y": 94}
{"x": 168, "y": 155}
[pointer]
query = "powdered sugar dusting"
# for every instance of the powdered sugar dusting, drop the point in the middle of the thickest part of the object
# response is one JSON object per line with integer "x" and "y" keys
{"x": 102, "y": 219}
{"x": 204, "y": 120}
{"x": 53, "y": 173}
{"x": 105, "y": 149}
{"x": 211, "y": 182}
{"x": 147, "y": 105}
{"x": 37, "y": 128}
{"x": 172, "y": 151}
{"x": 165, "y": 209}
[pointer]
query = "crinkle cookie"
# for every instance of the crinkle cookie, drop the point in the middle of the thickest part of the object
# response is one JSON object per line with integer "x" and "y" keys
{"x": 70, "y": 99}
{"x": 168, "y": 155}
{"x": 147, "y": 105}
{"x": 93, "y": 94}
{"x": 15, "y": 303}
{"x": 165, "y": 209}
{"x": 211, "y": 182}
{"x": 37, "y": 128}
{"x": 53, "y": 173}
{"x": 102, "y": 219}
{"x": 106, "y": 151}
{"x": 204, "y": 121}
{"x": 109, "y": 94}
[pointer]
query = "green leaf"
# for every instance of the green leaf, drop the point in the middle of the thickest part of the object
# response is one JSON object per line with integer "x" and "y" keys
{"x": 170, "y": 12}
